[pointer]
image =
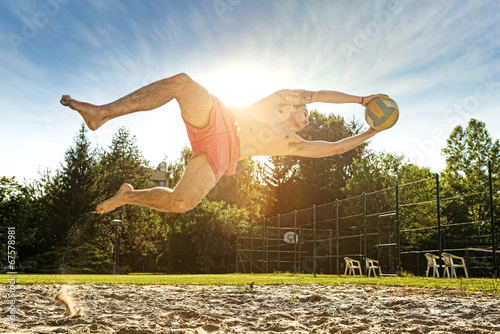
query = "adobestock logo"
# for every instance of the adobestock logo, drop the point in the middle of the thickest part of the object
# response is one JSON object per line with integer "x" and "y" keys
{"x": 32, "y": 26}
{"x": 381, "y": 21}
{"x": 221, "y": 7}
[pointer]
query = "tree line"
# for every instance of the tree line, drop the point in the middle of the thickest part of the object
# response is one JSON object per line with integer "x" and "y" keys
{"x": 57, "y": 230}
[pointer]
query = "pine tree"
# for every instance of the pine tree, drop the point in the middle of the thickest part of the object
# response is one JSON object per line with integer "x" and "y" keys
{"x": 124, "y": 163}
{"x": 69, "y": 196}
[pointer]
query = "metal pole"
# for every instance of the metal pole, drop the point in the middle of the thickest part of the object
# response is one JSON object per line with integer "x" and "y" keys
{"x": 118, "y": 249}
{"x": 379, "y": 239}
{"x": 263, "y": 245}
{"x": 300, "y": 247}
{"x": 390, "y": 253}
{"x": 251, "y": 248}
{"x": 363, "y": 263}
{"x": 337, "y": 234}
{"x": 278, "y": 259}
{"x": 330, "y": 251}
{"x": 492, "y": 218}
{"x": 116, "y": 245}
{"x": 467, "y": 258}
{"x": 314, "y": 242}
{"x": 120, "y": 225}
{"x": 295, "y": 242}
{"x": 438, "y": 201}
{"x": 398, "y": 232}
{"x": 418, "y": 255}
{"x": 237, "y": 243}
{"x": 115, "y": 255}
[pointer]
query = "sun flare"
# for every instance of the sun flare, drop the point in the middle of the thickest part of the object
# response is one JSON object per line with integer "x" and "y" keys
{"x": 240, "y": 85}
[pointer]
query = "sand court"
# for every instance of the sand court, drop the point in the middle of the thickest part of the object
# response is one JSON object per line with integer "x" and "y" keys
{"x": 264, "y": 309}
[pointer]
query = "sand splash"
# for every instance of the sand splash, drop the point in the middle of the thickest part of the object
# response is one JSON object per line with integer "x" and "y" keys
{"x": 63, "y": 297}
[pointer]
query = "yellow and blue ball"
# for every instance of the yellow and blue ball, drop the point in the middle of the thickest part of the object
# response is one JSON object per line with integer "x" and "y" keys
{"x": 382, "y": 113}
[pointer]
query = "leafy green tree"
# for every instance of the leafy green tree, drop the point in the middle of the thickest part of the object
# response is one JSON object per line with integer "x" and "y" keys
{"x": 17, "y": 210}
{"x": 298, "y": 183}
{"x": 66, "y": 198}
{"x": 83, "y": 259}
{"x": 243, "y": 189}
{"x": 164, "y": 222}
{"x": 173, "y": 170}
{"x": 79, "y": 190}
{"x": 327, "y": 176}
{"x": 465, "y": 178}
{"x": 377, "y": 171}
{"x": 203, "y": 239}
{"x": 377, "y": 174}
{"x": 373, "y": 172}
{"x": 284, "y": 192}
{"x": 79, "y": 176}
{"x": 124, "y": 163}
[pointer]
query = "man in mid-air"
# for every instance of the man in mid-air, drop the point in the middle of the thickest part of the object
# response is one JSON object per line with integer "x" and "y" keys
{"x": 219, "y": 136}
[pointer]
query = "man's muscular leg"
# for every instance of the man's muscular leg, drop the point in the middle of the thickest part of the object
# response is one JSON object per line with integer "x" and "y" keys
{"x": 194, "y": 100}
{"x": 195, "y": 103}
{"x": 195, "y": 184}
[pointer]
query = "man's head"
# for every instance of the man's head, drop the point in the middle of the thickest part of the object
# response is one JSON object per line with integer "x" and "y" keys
{"x": 298, "y": 117}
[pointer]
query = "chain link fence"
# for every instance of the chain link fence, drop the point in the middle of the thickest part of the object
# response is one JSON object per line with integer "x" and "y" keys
{"x": 396, "y": 226}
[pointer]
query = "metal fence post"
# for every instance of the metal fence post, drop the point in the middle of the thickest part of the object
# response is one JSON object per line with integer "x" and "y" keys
{"x": 295, "y": 240}
{"x": 330, "y": 251}
{"x": 467, "y": 257}
{"x": 300, "y": 247}
{"x": 267, "y": 247}
{"x": 278, "y": 259}
{"x": 264, "y": 246}
{"x": 237, "y": 244}
{"x": 337, "y": 233}
{"x": 251, "y": 248}
{"x": 314, "y": 242}
{"x": 492, "y": 219}
{"x": 363, "y": 262}
{"x": 398, "y": 233}
{"x": 438, "y": 202}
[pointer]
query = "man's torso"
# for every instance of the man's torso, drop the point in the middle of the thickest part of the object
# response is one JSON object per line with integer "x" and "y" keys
{"x": 262, "y": 130}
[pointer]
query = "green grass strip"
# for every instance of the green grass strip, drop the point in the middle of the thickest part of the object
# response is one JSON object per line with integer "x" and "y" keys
{"x": 482, "y": 285}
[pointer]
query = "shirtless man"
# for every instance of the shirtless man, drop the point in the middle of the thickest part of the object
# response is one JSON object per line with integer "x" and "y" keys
{"x": 219, "y": 136}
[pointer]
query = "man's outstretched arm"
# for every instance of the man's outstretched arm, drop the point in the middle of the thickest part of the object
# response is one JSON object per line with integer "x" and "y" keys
{"x": 317, "y": 149}
{"x": 301, "y": 96}
{"x": 330, "y": 96}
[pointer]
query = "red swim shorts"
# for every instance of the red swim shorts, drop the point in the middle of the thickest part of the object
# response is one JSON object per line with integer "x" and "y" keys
{"x": 219, "y": 139}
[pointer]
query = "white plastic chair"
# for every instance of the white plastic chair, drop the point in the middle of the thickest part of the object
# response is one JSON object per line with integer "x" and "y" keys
{"x": 453, "y": 262}
{"x": 372, "y": 266}
{"x": 432, "y": 263}
{"x": 351, "y": 265}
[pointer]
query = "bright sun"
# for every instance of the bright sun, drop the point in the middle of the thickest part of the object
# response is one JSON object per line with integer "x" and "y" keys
{"x": 240, "y": 85}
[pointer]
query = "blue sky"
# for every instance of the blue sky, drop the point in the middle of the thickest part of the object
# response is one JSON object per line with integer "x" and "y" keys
{"x": 440, "y": 60}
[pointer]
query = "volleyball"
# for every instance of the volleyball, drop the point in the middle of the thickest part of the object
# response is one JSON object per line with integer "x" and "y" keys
{"x": 382, "y": 113}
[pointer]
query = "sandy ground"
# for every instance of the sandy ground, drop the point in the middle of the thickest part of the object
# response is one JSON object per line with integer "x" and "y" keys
{"x": 265, "y": 309}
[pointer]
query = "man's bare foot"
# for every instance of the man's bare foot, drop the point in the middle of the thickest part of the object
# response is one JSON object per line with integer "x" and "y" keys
{"x": 90, "y": 112}
{"x": 114, "y": 202}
